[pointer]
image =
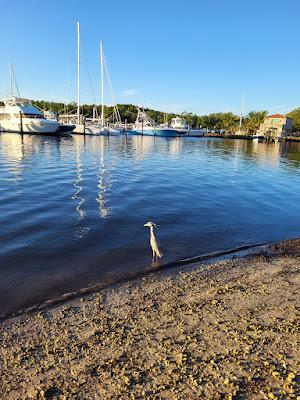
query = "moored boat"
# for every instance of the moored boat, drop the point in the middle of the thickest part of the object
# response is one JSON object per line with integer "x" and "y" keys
{"x": 111, "y": 126}
{"x": 179, "y": 124}
{"x": 96, "y": 125}
{"x": 197, "y": 132}
{"x": 20, "y": 116}
{"x": 182, "y": 127}
{"x": 64, "y": 127}
{"x": 144, "y": 125}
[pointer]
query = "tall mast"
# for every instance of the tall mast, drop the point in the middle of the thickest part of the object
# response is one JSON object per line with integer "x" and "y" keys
{"x": 10, "y": 80}
{"x": 102, "y": 84}
{"x": 242, "y": 111}
{"x": 78, "y": 73}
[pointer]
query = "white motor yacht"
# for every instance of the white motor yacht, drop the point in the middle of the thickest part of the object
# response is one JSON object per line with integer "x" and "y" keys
{"x": 19, "y": 115}
{"x": 180, "y": 124}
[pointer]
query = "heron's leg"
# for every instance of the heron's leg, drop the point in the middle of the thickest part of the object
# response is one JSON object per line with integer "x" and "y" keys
{"x": 153, "y": 255}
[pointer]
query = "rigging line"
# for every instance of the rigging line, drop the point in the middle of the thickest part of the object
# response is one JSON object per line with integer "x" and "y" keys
{"x": 69, "y": 71}
{"x": 143, "y": 116}
{"x": 108, "y": 76}
{"x": 68, "y": 112}
{"x": 87, "y": 69}
{"x": 90, "y": 83}
{"x": 112, "y": 93}
{"x": 16, "y": 84}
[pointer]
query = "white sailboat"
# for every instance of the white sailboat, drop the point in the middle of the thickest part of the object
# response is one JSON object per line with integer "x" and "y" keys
{"x": 82, "y": 126}
{"x": 20, "y": 116}
{"x": 95, "y": 126}
{"x": 240, "y": 132}
{"x": 112, "y": 125}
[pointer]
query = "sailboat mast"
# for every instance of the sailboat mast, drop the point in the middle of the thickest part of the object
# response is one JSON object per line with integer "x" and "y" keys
{"x": 242, "y": 112}
{"x": 10, "y": 80}
{"x": 78, "y": 73}
{"x": 102, "y": 84}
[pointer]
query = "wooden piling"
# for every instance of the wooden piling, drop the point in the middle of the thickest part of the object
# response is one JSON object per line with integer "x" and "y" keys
{"x": 21, "y": 122}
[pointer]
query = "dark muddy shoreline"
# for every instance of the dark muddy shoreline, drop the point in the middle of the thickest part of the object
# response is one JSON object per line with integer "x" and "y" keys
{"x": 240, "y": 251}
{"x": 224, "y": 330}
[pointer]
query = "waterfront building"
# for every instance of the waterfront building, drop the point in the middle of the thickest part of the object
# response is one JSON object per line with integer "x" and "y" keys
{"x": 276, "y": 126}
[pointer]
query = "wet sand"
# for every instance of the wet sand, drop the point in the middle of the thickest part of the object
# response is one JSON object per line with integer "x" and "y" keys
{"x": 227, "y": 330}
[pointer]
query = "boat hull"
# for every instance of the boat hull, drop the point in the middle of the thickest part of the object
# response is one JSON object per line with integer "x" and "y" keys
{"x": 81, "y": 129}
{"x": 65, "y": 128}
{"x": 111, "y": 131}
{"x": 155, "y": 132}
{"x": 37, "y": 126}
{"x": 97, "y": 130}
{"x": 196, "y": 133}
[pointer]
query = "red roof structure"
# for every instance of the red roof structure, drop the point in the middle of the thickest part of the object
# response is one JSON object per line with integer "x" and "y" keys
{"x": 276, "y": 116}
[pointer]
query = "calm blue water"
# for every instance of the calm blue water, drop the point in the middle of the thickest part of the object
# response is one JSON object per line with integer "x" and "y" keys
{"x": 72, "y": 209}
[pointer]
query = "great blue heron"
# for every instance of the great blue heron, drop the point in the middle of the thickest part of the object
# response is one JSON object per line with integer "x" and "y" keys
{"x": 153, "y": 243}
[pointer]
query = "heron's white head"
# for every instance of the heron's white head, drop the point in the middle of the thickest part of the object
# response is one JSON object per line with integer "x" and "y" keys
{"x": 151, "y": 224}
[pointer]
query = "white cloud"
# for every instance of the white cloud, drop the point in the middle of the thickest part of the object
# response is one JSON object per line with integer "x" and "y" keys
{"x": 169, "y": 108}
{"x": 130, "y": 92}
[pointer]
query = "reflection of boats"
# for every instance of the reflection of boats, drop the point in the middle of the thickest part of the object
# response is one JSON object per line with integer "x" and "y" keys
{"x": 103, "y": 184}
{"x": 256, "y": 137}
{"x": 144, "y": 125}
{"x": 19, "y": 115}
{"x": 12, "y": 146}
{"x": 81, "y": 230}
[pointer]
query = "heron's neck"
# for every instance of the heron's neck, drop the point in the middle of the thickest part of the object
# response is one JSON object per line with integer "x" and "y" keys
{"x": 151, "y": 231}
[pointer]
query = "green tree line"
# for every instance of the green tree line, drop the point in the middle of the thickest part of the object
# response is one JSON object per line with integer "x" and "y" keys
{"x": 227, "y": 121}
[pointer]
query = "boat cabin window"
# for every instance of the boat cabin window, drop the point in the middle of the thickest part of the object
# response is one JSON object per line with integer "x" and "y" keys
{"x": 4, "y": 116}
{"x": 34, "y": 116}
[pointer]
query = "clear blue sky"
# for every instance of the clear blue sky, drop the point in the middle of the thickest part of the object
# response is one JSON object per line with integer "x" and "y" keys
{"x": 193, "y": 55}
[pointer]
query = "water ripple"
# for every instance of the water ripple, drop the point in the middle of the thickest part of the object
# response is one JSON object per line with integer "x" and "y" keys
{"x": 73, "y": 209}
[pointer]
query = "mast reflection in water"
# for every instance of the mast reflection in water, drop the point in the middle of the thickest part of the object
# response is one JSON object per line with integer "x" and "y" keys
{"x": 103, "y": 184}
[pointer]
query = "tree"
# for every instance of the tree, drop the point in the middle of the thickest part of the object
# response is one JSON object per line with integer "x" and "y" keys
{"x": 191, "y": 119}
{"x": 229, "y": 121}
{"x": 295, "y": 115}
{"x": 254, "y": 119}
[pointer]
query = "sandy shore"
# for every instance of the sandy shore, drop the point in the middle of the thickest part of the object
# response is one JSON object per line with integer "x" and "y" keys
{"x": 227, "y": 330}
